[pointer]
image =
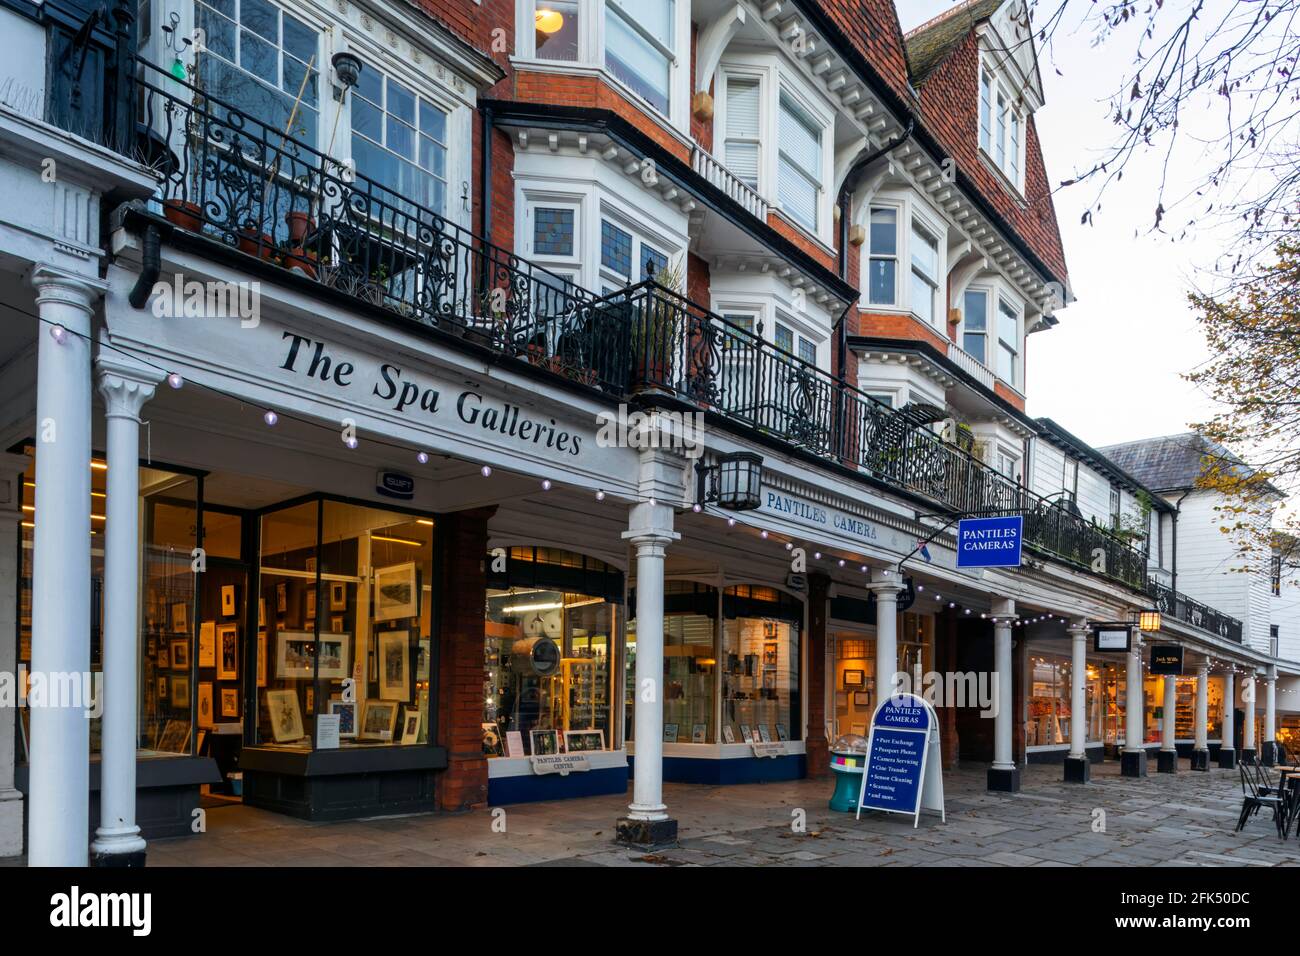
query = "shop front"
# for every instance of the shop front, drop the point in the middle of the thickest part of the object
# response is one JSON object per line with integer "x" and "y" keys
{"x": 733, "y": 665}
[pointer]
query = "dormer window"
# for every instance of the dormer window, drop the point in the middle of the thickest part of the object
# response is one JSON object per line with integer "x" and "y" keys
{"x": 1001, "y": 127}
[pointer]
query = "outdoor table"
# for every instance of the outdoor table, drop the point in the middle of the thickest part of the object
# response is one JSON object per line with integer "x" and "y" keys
{"x": 1289, "y": 788}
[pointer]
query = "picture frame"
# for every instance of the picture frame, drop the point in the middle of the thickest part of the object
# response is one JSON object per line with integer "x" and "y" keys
{"x": 583, "y": 741}
{"x": 208, "y": 644}
{"x": 764, "y": 734}
{"x": 206, "y": 713}
{"x": 747, "y": 733}
{"x": 545, "y": 743}
{"x": 281, "y": 597}
{"x": 261, "y": 658}
{"x": 296, "y": 654}
{"x": 309, "y": 699}
{"x": 164, "y": 659}
{"x": 175, "y": 737}
{"x": 854, "y": 679}
{"x": 862, "y": 698}
{"x": 180, "y": 652}
{"x": 228, "y": 600}
{"x": 728, "y": 734}
{"x": 347, "y": 714}
{"x": 180, "y": 618}
{"x": 423, "y": 705}
{"x": 699, "y": 733}
{"x": 670, "y": 733}
{"x": 781, "y": 732}
{"x": 261, "y": 612}
{"x": 770, "y": 652}
{"x": 228, "y": 652}
{"x": 394, "y": 662}
{"x": 338, "y": 595}
{"x": 180, "y": 692}
{"x": 311, "y": 605}
{"x": 336, "y": 624}
{"x": 378, "y": 720}
{"x": 491, "y": 739}
{"x": 229, "y": 702}
{"x": 286, "y": 718}
{"x": 162, "y": 688}
{"x": 410, "y": 725}
{"x": 397, "y": 593}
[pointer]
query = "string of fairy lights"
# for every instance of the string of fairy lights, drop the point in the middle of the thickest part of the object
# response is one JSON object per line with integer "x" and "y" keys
{"x": 272, "y": 418}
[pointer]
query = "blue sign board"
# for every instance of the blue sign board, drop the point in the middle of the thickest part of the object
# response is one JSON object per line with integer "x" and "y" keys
{"x": 990, "y": 542}
{"x": 896, "y": 756}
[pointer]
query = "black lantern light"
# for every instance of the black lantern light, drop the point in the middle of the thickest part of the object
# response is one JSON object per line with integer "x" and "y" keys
{"x": 735, "y": 482}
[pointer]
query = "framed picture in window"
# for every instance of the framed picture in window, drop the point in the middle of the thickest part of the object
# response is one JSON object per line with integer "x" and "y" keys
{"x": 583, "y": 741}
{"x": 394, "y": 665}
{"x": 261, "y": 658}
{"x": 862, "y": 698}
{"x": 286, "y": 718}
{"x": 281, "y": 597}
{"x": 670, "y": 733}
{"x": 311, "y": 605}
{"x": 379, "y": 720}
{"x": 397, "y": 595}
{"x": 545, "y": 742}
{"x": 347, "y": 714}
{"x": 180, "y": 617}
{"x": 410, "y": 725}
{"x": 229, "y": 702}
{"x": 228, "y": 652}
{"x": 208, "y": 644}
{"x": 180, "y": 692}
{"x": 228, "y": 600}
{"x": 205, "y": 704}
{"x": 180, "y": 655}
{"x": 854, "y": 679}
{"x": 338, "y": 595}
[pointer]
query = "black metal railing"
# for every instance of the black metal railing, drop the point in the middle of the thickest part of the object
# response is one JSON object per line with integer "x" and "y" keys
{"x": 240, "y": 181}
{"x": 682, "y": 349}
{"x": 89, "y": 50}
{"x": 1180, "y": 606}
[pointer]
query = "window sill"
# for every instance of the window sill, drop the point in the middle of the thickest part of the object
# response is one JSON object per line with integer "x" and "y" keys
{"x": 567, "y": 68}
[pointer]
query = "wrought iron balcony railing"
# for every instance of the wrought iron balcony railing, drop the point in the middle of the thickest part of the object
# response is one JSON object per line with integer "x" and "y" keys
{"x": 1180, "y": 606}
{"x": 230, "y": 177}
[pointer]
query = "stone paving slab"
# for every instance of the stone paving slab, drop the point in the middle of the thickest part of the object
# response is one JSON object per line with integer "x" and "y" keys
{"x": 1180, "y": 820}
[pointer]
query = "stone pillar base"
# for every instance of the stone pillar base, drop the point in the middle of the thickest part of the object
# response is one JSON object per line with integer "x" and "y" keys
{"x": 118, "y": 860}
{"x": 1167, "y": 761}
{"x": 1227, "y": 758}
{"x": 1078, "y": 770}
{"x": 1270, "y": 753}
{"x": 646, "y": 834}
{"x": 1003, "y": 780}
{"x": 1201, "y": 760}
{"x": 1133, "y": 763}
{"x": 11, "y": 823}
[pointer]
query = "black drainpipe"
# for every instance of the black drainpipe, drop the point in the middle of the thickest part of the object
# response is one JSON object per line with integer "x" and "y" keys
{"x": 1173, "y": 558}
{"x": 485, "y": 172}
{"x": 150, "y": 266}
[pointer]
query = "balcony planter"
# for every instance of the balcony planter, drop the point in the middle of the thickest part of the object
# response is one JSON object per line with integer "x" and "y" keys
{"x": 248, "y": 242}
{"x": 184, "y": 214}
{"x": 300, "y": 225}
{"x": 299, "y": 260}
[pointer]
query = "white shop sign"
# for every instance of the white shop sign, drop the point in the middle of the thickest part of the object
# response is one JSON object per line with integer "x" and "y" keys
{"x": 770, "y": 748}
{"x": 836, "y": 526}
{"x": 563, "y": 764}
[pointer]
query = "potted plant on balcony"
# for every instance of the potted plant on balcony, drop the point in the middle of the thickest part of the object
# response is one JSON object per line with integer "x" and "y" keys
{"x": 656, "y": 319}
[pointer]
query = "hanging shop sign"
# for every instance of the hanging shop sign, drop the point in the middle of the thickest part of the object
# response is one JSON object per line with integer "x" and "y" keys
{"x": 394, "y": 484}
{"x": 990, "y": 542}
{"x": 1167, "y": 659}
{"x": 1112, "y": 637}
{"x": 904, "y": 760}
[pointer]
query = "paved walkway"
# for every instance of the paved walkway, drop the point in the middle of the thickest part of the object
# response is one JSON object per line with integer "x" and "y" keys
{"x": 1183, "y": 820}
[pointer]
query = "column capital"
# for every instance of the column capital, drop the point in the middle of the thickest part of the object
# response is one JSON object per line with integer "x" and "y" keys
{"x": 1203, "y": 666}
{"x": 650, "y": 524}
{"x": 59, "y": 285}
{"x": 885, "y": 585}
{"x": 125, "y": 385}
{"x": 1079, "y": 630}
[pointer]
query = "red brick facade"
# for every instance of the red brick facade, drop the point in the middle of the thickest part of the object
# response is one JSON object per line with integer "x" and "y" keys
{"x": 462, "y": 542}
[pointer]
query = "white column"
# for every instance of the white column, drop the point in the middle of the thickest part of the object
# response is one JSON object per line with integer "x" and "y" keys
{"x": 1203, "y": 704}
{"x": 1249, "y": 691}
{"x": 1079, "y": 633}
{"x": 11, "y": 512}
{"x": 650, "y": 532}
{"x": 886, "y": 585}
{"x": 125, "y": 390}
{"x": 1003, "y": 753}
{"x": 1270, "y": 714}
{"x": 58, "y": 810}
{"x": 1135, "y": 700}
{"x": 1229, "y": 734}
{"x": 1168, "y": 742}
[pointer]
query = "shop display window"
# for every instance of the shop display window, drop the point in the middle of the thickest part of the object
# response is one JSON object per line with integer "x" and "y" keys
{"x": 345, "y": 592}
{"x": 854, "y": 685}
{"x": 551, "y": 638}
{"x": 168, "y": 516}
{"x": 1048, "y": 705}
{"x": 690, "y": 663}
{"x": 760, "y": 665}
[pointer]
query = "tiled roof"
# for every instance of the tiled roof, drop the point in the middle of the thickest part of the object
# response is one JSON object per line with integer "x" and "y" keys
{"x": 1173, "y": 462}
{"x": 933, "y": 40}
{"x": 947, "y": 50}
{"x": 871, "y": 26}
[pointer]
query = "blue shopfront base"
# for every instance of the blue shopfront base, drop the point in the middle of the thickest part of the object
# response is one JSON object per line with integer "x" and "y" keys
{"x": 847, "y": 770}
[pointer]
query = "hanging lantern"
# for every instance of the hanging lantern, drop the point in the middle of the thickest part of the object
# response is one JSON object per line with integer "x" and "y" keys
{"x": 740, "y": 481}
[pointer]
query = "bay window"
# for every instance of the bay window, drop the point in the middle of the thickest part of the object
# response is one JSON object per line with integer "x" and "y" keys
{"x": 261, "y": 61}
{"x": 556, "y": 24}
{"x": 639, "y": 47}
{"x": 626, "y": 258}
{"x": 1008, "y": 343}
{"x": 741, "y": 149}
{"x": 882, "y": 269}
{"x": 975, "y": 325}
{"x": 925, "y": 272}
{"x": 399, "y": 139}
{"x": 799, "y": 164}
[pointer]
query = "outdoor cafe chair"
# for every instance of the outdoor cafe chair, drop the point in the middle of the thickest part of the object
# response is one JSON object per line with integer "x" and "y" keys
{"x": 1253, "y": 801}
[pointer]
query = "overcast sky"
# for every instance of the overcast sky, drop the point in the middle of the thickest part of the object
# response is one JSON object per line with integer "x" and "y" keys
{"x": 1110, "y": 371}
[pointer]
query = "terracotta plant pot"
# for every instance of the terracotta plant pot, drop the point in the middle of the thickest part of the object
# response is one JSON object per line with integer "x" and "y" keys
{"x": 297, "y": 260}
{"x": 300, "y": 224}
{"x": 248, "y": 243}
{"x": 186, "y": 215}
